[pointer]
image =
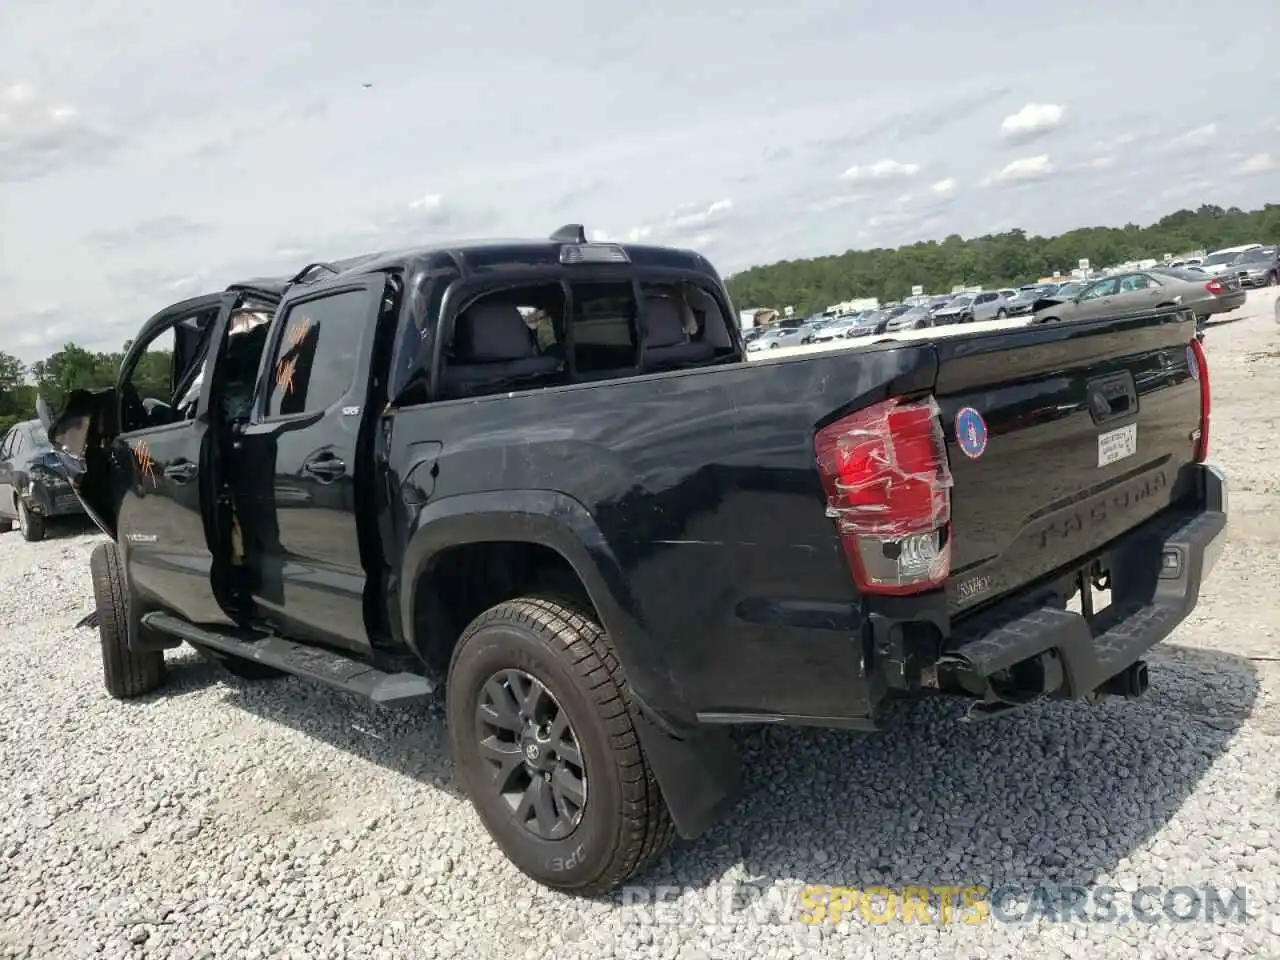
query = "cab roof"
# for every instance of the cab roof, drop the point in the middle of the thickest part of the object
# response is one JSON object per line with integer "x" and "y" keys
{"x": 569, "y": 244}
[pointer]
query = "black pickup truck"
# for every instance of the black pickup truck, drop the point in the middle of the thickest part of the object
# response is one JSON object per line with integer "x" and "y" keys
{"x": 541, "y": 479}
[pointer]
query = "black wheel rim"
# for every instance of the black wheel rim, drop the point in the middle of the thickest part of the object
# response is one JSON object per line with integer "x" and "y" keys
{"x": 532, "y": 753}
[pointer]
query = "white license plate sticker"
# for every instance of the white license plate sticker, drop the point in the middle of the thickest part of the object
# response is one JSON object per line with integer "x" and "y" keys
{"x": 1117, "y": 444}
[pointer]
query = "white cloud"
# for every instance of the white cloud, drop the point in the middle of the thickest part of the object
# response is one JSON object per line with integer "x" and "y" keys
{"x": 836, "y": 203}
{"x": 1258, "y": 163}
{"x": 1022, "y": 170}
{"x": 1033, "y": 120}
{"x": 945, "y": 188}
{"x": 40, "y": 136}
{"x": 881, "y": 170}
{"x": 1196, "y": 138}
{"x": 691, "y": 216}
{"x": 1101, "y": 163}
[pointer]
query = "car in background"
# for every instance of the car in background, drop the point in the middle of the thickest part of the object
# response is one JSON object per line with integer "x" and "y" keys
{"x": 32, "y": 487}
{"x": 839, "y": 328}
{"x": 1221, "y": 261}
{"x": 1132, "y": 292}
{"x": 777, "y": 337}
{"x": 1023, "y": 303}
{"x": 917, "y": 318}
{"x": 970, "y": 307}
{"x": 958, "y": 309}
{"x": 1259, "y": 267}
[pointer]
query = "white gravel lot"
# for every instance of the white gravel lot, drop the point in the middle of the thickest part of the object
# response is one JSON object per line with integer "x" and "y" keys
{"x": 226, "y": 819}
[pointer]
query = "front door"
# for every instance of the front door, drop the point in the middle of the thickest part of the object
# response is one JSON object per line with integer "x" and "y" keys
{"x": 300, "y": 485}
{"x": 163, "y": 467}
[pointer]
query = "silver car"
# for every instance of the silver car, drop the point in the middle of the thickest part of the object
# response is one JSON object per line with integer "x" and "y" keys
{"x": 781, "y": 337}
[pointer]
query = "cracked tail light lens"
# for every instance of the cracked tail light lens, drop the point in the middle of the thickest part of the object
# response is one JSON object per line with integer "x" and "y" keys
{"x": 888, "y": 487}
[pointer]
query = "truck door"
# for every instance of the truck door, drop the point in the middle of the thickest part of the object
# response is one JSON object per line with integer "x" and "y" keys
{"x": 161, "y": 463}
{"x": 300, "y": 474}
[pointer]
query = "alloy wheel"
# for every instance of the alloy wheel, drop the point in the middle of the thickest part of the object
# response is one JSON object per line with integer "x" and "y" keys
{"x": 533, "y": 754}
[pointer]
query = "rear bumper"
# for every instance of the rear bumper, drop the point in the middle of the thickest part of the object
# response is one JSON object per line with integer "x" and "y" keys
{"x": 1156, "y": 574}
{"x": 52, "y": 500}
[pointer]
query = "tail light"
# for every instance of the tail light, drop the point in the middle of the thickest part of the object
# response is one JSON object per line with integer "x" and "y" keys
{"x": 1200, "y": 372}
{"x": 888, "y": 487}
{"x": 1214, "y": 286}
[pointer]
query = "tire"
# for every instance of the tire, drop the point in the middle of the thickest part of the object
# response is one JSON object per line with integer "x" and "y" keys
{"x": 1273, "y": 278}
{"x": 31, "y": 524}
{"x": 1002, "y": 314}
{"x": 127, "y": 673}
{"x": 773, "y": 346}
{"x": 622, "y": 824}
{"x": 239, "y": 666}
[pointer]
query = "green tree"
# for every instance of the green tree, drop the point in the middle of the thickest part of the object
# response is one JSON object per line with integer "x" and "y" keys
{"x": 1005, "y": 259}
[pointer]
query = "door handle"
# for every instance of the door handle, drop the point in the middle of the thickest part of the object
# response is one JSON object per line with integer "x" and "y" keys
{"x": 326, "y": 468}
{"x": 180, "y": 471}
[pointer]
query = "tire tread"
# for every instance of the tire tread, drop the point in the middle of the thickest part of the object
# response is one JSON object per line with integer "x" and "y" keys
{"x": 575, "y": 636}
{"x": 126, "y": 673}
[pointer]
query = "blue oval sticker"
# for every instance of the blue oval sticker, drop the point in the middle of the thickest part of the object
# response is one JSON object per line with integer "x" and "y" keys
{"x": 971, "y": 433}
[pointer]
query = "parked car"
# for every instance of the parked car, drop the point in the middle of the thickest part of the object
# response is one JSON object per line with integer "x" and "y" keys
{"x": 1222, "y": 261}
{"x": 969, "y": 307}
{"x": 1259, "y": 267}
{"x": 32, "y": 488}
{"x": 1157, "y": 288}
{"x": 839, "y": 328}
{"x": 603, "y": 543}
{"x": 1024, "y": 301}
{"x": 778, "y": 337}
{"x": 958, "y": 309}
{"x": 917, "y": 318}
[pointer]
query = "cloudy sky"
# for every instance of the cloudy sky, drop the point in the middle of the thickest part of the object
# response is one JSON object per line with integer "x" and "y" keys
{"x": 155, "y": 149}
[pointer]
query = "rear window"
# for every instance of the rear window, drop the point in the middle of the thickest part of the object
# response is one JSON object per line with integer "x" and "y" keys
{"x": 604, "y": 326}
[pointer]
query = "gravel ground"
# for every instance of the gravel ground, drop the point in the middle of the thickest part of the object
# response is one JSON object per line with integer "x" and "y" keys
{"x": 228, "y": 819}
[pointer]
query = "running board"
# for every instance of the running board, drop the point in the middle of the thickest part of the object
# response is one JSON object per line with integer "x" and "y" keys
{"x": 310, "y": 663}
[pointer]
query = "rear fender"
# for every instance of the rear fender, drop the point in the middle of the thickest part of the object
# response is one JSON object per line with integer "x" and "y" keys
{"x": 697, "y": 768}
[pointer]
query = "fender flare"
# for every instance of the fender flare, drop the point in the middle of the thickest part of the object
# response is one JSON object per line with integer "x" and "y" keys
{"x": 543, "y": 517}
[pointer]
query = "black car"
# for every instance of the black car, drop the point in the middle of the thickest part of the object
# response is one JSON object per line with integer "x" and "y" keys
{"x": 603, "y": 538}
{"x": 32, "y": 489}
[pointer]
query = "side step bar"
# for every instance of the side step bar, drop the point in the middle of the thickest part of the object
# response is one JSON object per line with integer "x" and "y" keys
{"x": 310, "y": 663}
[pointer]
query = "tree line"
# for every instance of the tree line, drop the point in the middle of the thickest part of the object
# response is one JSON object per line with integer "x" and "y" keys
{"x": 71, "y": 368}
{"x": 997, "y": 260}
{"x": 1005, "y": 259}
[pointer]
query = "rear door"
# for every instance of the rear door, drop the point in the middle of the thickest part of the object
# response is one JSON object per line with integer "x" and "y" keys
{"x": 1061, "y": 438}
{"x": 298, "y": 485}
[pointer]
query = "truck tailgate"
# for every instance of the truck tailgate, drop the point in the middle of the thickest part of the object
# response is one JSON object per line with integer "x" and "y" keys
{"x": 1060, "y": 438}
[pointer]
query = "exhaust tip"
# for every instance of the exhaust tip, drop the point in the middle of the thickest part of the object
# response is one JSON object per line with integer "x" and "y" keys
{"x": 1132, "y": 682}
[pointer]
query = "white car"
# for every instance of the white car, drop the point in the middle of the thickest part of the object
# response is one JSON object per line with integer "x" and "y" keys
{"x": 782, "y": 337}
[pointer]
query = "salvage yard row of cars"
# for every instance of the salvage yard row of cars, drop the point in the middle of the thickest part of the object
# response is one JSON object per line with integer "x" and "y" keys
{"x": 538, "y": 481}
{"x": 1216, "y": 285}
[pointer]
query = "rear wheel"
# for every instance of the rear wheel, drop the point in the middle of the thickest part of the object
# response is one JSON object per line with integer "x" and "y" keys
{"x": 545, "y": 747}
{"x": 127, "y": 673}
{"x": 31, "y": 524}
